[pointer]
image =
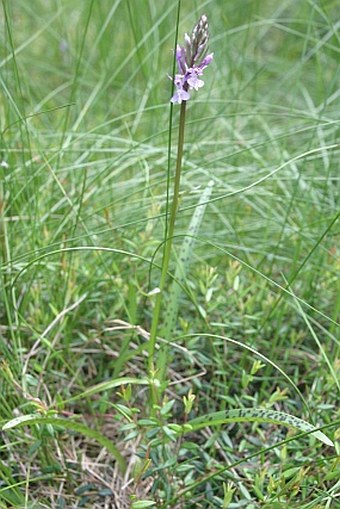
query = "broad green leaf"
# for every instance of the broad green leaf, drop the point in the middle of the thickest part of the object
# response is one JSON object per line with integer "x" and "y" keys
{"x": 184, "y": 258}
{"x": 29, "y": 420}
{"x": 258, "y": 415}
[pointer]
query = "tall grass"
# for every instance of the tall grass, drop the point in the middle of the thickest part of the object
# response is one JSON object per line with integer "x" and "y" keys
{"x": 84, "y": 120}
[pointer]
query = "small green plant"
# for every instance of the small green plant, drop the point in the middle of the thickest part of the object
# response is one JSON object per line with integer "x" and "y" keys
{"x": 192, "y": 59}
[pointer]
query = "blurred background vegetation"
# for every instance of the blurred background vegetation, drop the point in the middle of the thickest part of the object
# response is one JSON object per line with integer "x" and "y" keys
{"x": 84, "y": 120}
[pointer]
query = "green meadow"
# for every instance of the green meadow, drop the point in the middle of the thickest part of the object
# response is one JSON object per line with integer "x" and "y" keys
{"x": 192, "y": 369}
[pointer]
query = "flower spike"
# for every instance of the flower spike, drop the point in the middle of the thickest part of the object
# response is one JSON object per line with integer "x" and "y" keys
{"x": 192, "y": 59}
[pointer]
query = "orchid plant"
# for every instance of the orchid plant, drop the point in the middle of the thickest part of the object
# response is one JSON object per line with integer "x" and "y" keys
{"x": 192, "y": 58}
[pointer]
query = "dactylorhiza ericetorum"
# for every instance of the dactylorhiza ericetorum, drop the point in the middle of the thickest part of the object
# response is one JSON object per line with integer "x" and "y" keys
{"x": 192, "y": 59}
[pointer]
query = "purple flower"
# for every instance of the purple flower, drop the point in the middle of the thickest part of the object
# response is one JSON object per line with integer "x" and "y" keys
{"x": 181, "y": 61}
{"x": 191, "y": 61}
{"x": 192, "y": 78}
{"x": 206, "y": 61}
{"x": 179, "y": 96}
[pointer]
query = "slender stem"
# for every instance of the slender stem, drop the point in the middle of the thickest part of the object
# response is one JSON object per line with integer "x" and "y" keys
{"x": 167, "y": 248}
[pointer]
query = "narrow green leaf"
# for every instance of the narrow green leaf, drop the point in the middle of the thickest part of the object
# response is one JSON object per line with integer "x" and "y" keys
{"x": 253, "y": 351}
{"x": 142, "y": 504}
{"x": 105, "y": 386}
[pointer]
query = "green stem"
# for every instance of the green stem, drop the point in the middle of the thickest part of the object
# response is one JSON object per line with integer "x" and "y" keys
{"x": 166, "y": 254}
